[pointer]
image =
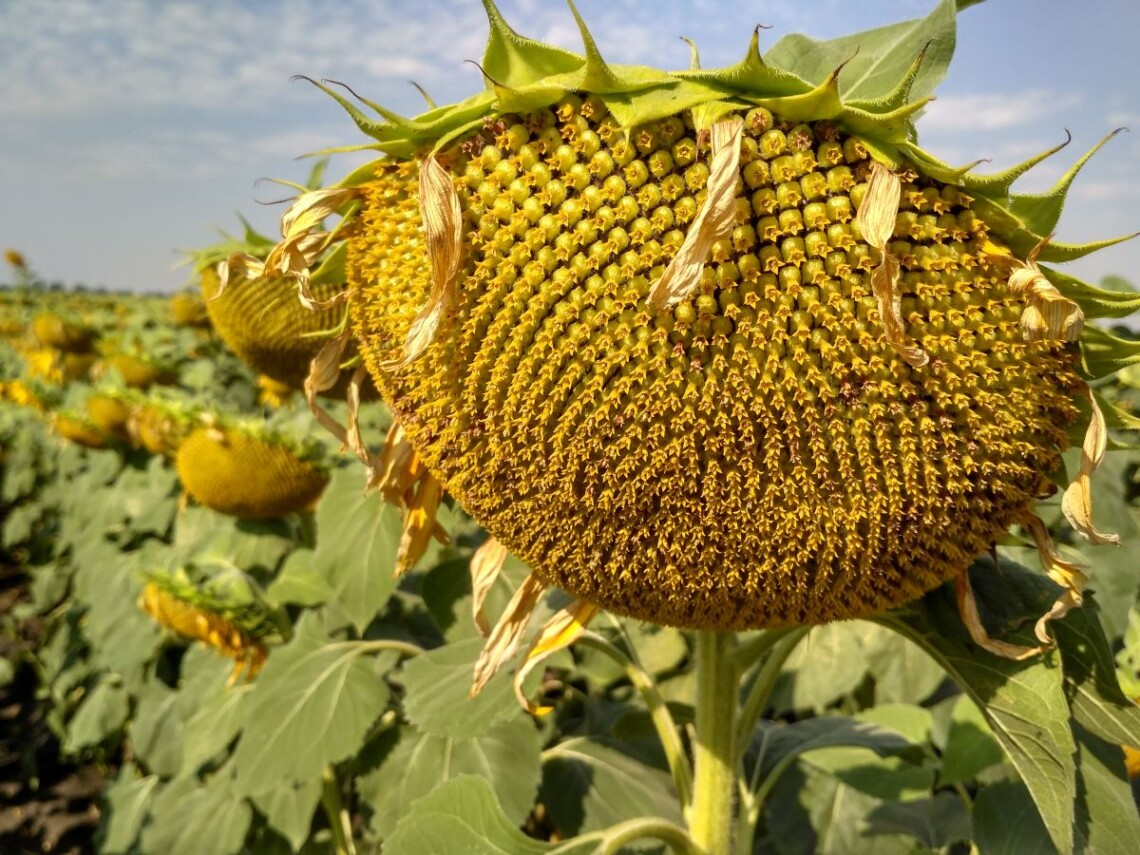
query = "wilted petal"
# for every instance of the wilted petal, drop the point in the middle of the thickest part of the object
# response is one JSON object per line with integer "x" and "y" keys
{"x": 508, "y": 632}
{"x": 324, "y": 371}
{"x": 311, "y": 209}
{"x": 1076, "y": 503}
{"x": 419, "y": 523}
{"x": 486, "y": 564}
{"x": 712, "y": 223}
{"x": 968, "y": 609}
{"x": 443, "y": 235}
{"x": 876, "y": 222}
{"x": 1068, "y": 575}
{"x": 238, "y": 264}
{"x": 559, "y": 632}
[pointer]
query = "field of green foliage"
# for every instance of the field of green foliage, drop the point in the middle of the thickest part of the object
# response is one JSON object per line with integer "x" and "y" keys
{"x": 356, "y": 731}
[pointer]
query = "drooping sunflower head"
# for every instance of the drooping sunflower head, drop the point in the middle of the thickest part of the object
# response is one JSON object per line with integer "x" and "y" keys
{"x": 256, "y": 309}
{"x": 62, "y": 333}
{"x": 159, "y": 424}
{"x": 724, "y": 348}
{"x": 187, "y": 309}
{"x": 250, "y": 471}
{"x": 234, "y": 627}
{"x": 79, "y": 428}
{"x": 139, "y": 370}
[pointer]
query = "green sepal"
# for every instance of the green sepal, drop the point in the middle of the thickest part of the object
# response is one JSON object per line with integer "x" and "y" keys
{"x": 822, "y": 102}
{"x": 1094, "y": 302}
{"x": 1116, "y": 418}
{"x": 632, "y": 110}
{"x": 1103, "y": 353}
{"x": 331, "y": 270}
{"x": 751, "y": 75}
{"x": 515, "y": 60}
{"x": 898, "y": 96}
{"x": 1041, "y": 211}
{"x": 1058, "y": 252}
{"x": 601, "y": 78}
{"x": 996, "y": 185}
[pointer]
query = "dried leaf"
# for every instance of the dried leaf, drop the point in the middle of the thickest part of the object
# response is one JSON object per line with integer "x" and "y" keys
{"x": 419, "y": 523}
{"x": 1068, "y": 575}
{"x": 712, "y": 223}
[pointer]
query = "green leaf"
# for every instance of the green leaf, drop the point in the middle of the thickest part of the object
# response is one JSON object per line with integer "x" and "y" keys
{"x": 1024, "y": 702}
{"x": 438, "y": 698}
{"x": 812, "y": 813}
{"x": 970, "y": 744}
{"x": 316, "y": 696}
{"x": 776, "y": 745}
{"x": 1107, "y": 821}
{"x": 203, "y": 536}
{"x": 1006, "y": 822}
{"x": 589, "y": 785}
{"x": 297, "y": 582}
{"x": 213, "y": 726}
{"x": 913, "y": 722}
{"x": 126, "y": 802}
{"x": 102, "y": 713}
{"x": 357, "y": 540}
{"x": 883, "y": 777}
{"x": 876, "y": 59}
{"x": 461, "y": 815}
{"x": 824, "y": 667}
{"x": 935, "y": 822}
{"x": 507, "y": 756}
{"x": 156, "y": 732}
{"x": 289, "y": 808}
{"x": 1095, "y": 696}
{"x": 148, "y": 497}
{"x": 191, "y": 818}
{"x": 903, "y": 672}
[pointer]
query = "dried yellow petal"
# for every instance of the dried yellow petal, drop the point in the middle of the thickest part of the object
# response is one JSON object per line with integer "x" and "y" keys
{"x": 486, "y": 564}
{"x": 508, "y": 632}
{"x": 1076, "y": 503}
{"x": 712, "y": 223}
{"x": 968, "y": 609}
{"x": 558, "y": 633}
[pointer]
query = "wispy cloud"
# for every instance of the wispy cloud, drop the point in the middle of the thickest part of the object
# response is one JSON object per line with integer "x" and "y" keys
{"x": 996, "y": 110}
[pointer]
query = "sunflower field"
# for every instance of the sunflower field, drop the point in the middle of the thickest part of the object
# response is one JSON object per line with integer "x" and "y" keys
{"x": 625, "y": 461}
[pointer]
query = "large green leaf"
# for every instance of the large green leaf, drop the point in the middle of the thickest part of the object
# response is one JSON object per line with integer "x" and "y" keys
{"x": 126, "y": 802}
{"x": 877, "y": 60}
{"x": 189, "y": 817}
{"x": 438, "y": 700}
{"x": 203, "y": 536}
{"x": 156, "y": 732}
{"x": 353, "y": 563}
{"x": 903, "y": 671}
{"x": 102, "y": 713}
{"x": 289, "y": 808}
{"x": 462, "y": 815}
{"x": 1095, "y": 696}
{"x": 1006, "y": 822}
{"x": 1107, "y": 821}
{"x": 1024, "y": 702}
{"x": 935, "y": 822}
{"x": 590, "y": 784}
{"x": 824, "y": 667}
{"x": 970, "y": 744}
{"x": 507, "y": 756}
{"x": 316, "y": 696}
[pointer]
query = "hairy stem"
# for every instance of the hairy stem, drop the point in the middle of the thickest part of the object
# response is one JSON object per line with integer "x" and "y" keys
{"x": 714, "y": 749}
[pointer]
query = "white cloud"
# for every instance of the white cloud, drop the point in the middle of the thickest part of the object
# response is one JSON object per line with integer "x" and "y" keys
{"x": 995, "y": 111}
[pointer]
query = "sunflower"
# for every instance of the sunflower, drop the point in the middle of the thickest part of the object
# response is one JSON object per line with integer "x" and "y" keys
{"x": 718, "y": 349}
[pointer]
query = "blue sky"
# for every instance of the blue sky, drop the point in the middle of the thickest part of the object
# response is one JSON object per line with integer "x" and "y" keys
{"x": 132, "y": 128}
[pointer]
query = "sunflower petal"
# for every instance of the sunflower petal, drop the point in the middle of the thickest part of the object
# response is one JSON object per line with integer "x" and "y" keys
{"x": 712, "y": 222}
{"x": 486, "y": 564}
{"x": 1076, "y": 503}
{"x": 558, "y": 633}
{"x": 508, "y": 632}
{"x": 968, "y": 609}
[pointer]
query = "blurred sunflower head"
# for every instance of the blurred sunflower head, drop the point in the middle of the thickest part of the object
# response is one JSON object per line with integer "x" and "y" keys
{"x": 274, "y": 323}
{"x": 249, "y": 470}
{"x": 723, "y": 348}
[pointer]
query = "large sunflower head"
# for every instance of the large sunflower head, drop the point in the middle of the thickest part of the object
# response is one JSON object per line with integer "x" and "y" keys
{"x": 724, "y": 348}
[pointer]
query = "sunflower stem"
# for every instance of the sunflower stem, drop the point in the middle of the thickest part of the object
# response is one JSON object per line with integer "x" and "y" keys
{"x": 340, "y": 824}
{"x": 714, "y": 749}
